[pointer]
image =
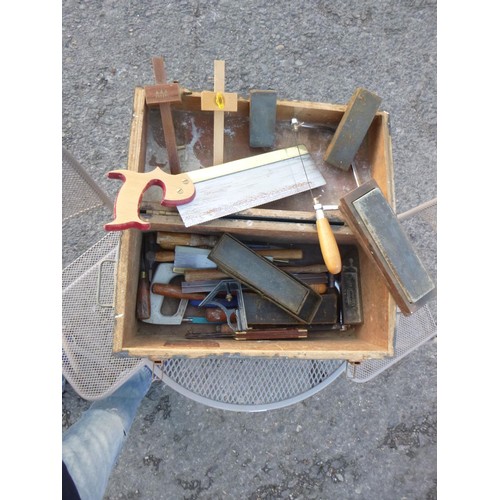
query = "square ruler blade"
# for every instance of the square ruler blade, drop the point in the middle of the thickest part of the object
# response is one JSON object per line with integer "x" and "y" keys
{"x": 209, "y": 193}
{"x": 282, "y": 176}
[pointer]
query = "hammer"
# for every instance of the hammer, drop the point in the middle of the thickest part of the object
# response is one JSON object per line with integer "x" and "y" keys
{"x": 164, "y": 274}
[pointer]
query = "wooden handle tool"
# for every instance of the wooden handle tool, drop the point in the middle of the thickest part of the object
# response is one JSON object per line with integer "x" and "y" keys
{"x": 143, "y": 301}
{"x": 169, "y": 241}
{"x": 163, "y": 256}
{"x": 175, "y": 291}
{"x": 327, "y": 241}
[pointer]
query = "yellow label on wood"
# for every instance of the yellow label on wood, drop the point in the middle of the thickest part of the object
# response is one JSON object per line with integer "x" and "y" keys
{"x": 209, "y": 101}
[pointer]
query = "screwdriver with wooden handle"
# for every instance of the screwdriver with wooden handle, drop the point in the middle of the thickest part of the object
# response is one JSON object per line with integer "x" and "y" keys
{"x": 327, "y": 241}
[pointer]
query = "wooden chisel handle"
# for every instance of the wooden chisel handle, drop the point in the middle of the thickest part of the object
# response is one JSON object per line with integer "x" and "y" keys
{"x": 320, "y": 288}
{"x": 203, "y": 274}
{"x": 327, "y": 243}
{"x": 175, "y": 291}
{"x": 281, "y": 253}
{"x": 217, "y": 315}
{"x": 312, "y": 268}
{"x": 169, "y": 241}
{"x": 164, "y": 256}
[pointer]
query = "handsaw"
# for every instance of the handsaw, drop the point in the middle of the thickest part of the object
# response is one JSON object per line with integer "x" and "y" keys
{"x": 213, "y": 192}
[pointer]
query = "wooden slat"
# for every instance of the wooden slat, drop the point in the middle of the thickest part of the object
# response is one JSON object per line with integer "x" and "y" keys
{"x": 219, "y": 75}
{"x": 166, "y": 119}
{"x": 163, "y": 93}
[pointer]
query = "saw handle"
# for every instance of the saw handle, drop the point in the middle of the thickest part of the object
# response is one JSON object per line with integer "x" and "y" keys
{"x": 328, "y": 244}
{"x": 177, "y": 189}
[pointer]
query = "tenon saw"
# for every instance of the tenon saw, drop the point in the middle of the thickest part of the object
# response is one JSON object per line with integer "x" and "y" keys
{"x": 212, "y": 192}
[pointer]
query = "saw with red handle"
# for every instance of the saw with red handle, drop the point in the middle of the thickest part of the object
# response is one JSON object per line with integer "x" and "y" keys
{"x": 220, "y": 190}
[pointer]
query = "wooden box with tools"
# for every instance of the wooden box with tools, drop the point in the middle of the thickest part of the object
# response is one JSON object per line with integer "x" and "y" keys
{"x": 287, "y": 222}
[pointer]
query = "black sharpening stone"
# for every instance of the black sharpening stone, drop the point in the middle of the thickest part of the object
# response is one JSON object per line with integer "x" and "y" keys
{"x": 260, "y": 311}
{"x": 262, "y": 118}
{"x": 379, "y": 232}
{"x": 262, "y": 276}
{"x": 352, "y": 129}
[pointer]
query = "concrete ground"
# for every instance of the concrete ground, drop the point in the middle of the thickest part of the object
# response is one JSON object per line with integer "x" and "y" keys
{"x": 359, "y": 441}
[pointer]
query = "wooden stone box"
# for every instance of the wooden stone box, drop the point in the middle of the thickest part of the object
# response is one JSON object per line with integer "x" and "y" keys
{"x": 287, "y": 221}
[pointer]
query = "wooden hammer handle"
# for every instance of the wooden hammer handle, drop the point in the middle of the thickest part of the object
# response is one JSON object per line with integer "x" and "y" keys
{"x": 169, "y": 241}
{"x": 175, "y": 291}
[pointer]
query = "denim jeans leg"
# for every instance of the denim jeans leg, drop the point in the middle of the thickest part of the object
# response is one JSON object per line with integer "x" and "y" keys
{"x": 91, "y": 446}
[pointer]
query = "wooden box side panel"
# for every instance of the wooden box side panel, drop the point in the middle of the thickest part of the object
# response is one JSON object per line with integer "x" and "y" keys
{"x": 326, "y": 346}
{"x": 379, "y": 308}
{"x": 127, "y": 273}
{"x": 126, "y": 290}
{"x": 372, "y": 340}
{"x": 380, "y": 156}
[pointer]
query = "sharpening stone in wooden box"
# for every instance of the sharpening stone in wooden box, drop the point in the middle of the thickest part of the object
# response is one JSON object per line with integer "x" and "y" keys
{"x": 352, "y": 129}
{"x": 262, "y": 276}
{"x": 379, "y": 232}
{"x": 262, "y": 118}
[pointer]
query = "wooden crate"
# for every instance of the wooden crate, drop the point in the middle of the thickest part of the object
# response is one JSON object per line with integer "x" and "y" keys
{"x": 283, "y": 221}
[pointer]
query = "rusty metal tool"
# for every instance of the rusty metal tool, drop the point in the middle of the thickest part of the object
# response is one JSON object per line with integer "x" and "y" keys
{"x": 350, "y": 287}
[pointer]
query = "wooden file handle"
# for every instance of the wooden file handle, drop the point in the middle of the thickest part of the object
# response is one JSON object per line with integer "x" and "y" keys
{"x": 328, "y": 245}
